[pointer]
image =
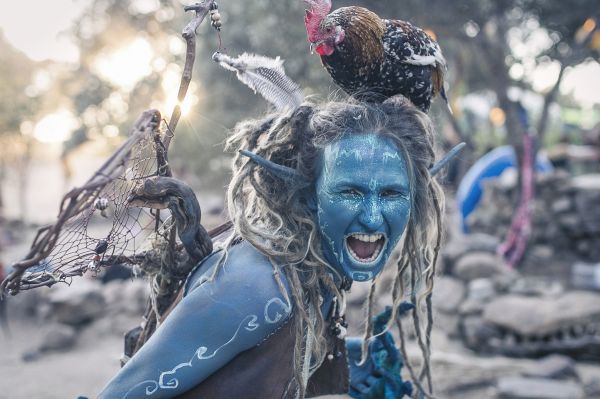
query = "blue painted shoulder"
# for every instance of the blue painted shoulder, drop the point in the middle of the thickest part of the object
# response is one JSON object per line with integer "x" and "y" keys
{"x": 216, "y": 320}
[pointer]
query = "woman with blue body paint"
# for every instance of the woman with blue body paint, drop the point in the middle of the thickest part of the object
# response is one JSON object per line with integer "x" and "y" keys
{"x": 319, "y": 198}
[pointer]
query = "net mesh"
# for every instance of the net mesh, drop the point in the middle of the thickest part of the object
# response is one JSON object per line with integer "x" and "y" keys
{"x": 107, "y": 230}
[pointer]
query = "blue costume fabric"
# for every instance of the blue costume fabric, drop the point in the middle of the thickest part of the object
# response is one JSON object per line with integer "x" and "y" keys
{"x": 379, "y": 377}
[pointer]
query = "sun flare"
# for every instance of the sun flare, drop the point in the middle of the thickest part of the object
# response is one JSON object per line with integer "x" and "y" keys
{"x": 55, "y": 127}
{"x": 126, "y": 66}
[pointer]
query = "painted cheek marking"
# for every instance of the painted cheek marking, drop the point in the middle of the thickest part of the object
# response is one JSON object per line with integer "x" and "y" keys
{"x": 373, "y": 184}
{"x": 362, "y": 276}
{"x": 392, "y": 156}
{"x": 355, "y": 154}
{"x": 323, "y": 226}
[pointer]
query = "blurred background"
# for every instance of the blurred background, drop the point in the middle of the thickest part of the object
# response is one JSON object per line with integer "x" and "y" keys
{"x": 519, "y": 308}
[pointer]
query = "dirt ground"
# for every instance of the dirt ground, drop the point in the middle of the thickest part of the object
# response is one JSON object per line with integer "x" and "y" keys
{"x": 82, "y": 371}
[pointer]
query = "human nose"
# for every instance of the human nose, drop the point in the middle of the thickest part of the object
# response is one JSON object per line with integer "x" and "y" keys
{"x": 371, "y": 216}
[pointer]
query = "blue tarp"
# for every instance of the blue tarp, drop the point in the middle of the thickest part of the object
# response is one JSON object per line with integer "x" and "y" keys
{"x": 490, "y": 165}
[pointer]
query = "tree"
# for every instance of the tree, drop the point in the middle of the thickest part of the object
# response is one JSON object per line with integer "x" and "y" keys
{"x": 486, "y": 32}
{"x": 16, "y": 106}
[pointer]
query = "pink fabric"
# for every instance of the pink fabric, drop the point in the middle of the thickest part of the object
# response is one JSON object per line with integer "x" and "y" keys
{"x": 513, "y": 248}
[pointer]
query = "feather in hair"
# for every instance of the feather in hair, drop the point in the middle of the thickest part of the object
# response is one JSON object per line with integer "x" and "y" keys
{"x": 265, "y": 76}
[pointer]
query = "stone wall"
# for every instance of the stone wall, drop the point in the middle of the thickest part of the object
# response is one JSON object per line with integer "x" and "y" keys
{"x": 566, "y": 212}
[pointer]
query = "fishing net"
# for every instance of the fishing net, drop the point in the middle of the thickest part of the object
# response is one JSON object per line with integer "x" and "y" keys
{"x": 97, "y": 225}
{"x": 104, "y": 222}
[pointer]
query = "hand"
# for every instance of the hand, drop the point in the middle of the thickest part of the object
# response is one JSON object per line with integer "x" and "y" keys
{"x": 379, "y": 376}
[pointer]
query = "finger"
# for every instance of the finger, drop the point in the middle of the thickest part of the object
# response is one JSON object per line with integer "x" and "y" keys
{"x": 362, "y": 389}
{"x": 405, "y": 307}
{"x": 372, "y": 380}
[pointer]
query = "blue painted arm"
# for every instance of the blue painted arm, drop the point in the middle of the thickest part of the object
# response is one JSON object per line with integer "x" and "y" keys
{"x": 379, "y": 377}
{"x": 214, "y": 322}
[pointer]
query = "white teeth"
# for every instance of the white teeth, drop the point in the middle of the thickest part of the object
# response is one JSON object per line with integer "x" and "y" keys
{"x": 367, "y": 237}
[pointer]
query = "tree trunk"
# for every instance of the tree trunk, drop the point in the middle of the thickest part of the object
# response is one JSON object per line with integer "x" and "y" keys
{"x": 24, "y": 182}
{"x": 549, "y": 98}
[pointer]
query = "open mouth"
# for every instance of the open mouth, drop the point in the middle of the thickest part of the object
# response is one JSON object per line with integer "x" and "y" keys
{"x": 365, "y": 248}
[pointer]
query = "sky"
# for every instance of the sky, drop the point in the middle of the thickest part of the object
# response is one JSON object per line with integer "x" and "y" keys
{"x": 37, "y": 28}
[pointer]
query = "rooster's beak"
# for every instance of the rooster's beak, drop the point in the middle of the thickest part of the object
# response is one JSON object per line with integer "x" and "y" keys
{"x": 314, "y": 45}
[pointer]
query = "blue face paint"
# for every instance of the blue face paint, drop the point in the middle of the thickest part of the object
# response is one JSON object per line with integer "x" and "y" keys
{"x": 363, "y": 203}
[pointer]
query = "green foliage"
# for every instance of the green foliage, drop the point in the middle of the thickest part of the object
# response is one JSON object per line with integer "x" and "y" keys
{"x": 16, "y": 72}
{"x": 474, "y": 35}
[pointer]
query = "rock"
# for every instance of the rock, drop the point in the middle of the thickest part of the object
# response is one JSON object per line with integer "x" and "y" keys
{"x": 135, "y": 296}
{"x": 505, "y": 281}
{"x": 592, "y": 388}
{"x": 536, "y": 286}
{"x": 476, "y": 242}
{"x": 129, "y": 296}
{"x": 538, "y": 316}
{"x": 565, "y": 218}
{"x": 476, "y": 332}
{"x": 562, "y": 205}
{"x": 113, "y": 296}
{"x": 481, "y": 290}
{"x": 470, "y": 307}
{"x": 449, "y": 324}
{"x": 24, "y": 305}
{"x": 538, "y": 388}
{"x": 542, "y": 252}
{"x": 586, "y": 276}
{"x": 448, "y": 294}
{"x": 478, "y": 265}
{"x": 59, "y": 337}
{"x": 571, "y": 222}
{"x": 552, "y": 366}
{"x": 113, "y": 325}
{"x": 77, "y": 304}
{"x": 31, "y": 356}
{"x": 590, "y": 182}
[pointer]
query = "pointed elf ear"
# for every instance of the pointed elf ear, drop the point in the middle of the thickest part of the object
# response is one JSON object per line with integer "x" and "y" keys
{"x": 283, "y": 172}
{"x": 447, "y": 159}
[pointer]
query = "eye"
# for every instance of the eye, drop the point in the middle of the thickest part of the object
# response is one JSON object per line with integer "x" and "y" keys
{"x": 393, "y": 194}
{"x": 351, "y": 192}
{"x": 329, "y": 29}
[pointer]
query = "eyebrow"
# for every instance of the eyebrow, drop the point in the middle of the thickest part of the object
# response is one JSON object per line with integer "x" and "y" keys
{"x": 353, "y": 183}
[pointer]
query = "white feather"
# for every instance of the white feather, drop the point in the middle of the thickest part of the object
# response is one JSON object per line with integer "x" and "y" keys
{"x": 421, "y": 60}
{"x": 265, "y": 76}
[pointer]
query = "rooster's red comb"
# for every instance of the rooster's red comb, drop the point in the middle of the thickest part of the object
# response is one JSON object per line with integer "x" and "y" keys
{"x": 316, "y": 12}
{"x": 319, "y": 8}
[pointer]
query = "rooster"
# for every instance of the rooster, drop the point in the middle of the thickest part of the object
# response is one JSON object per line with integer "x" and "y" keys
{"x": 365, "y": 54}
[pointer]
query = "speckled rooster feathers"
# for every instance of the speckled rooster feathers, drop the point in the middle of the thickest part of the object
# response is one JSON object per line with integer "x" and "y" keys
{"x": 366, "y": 54}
